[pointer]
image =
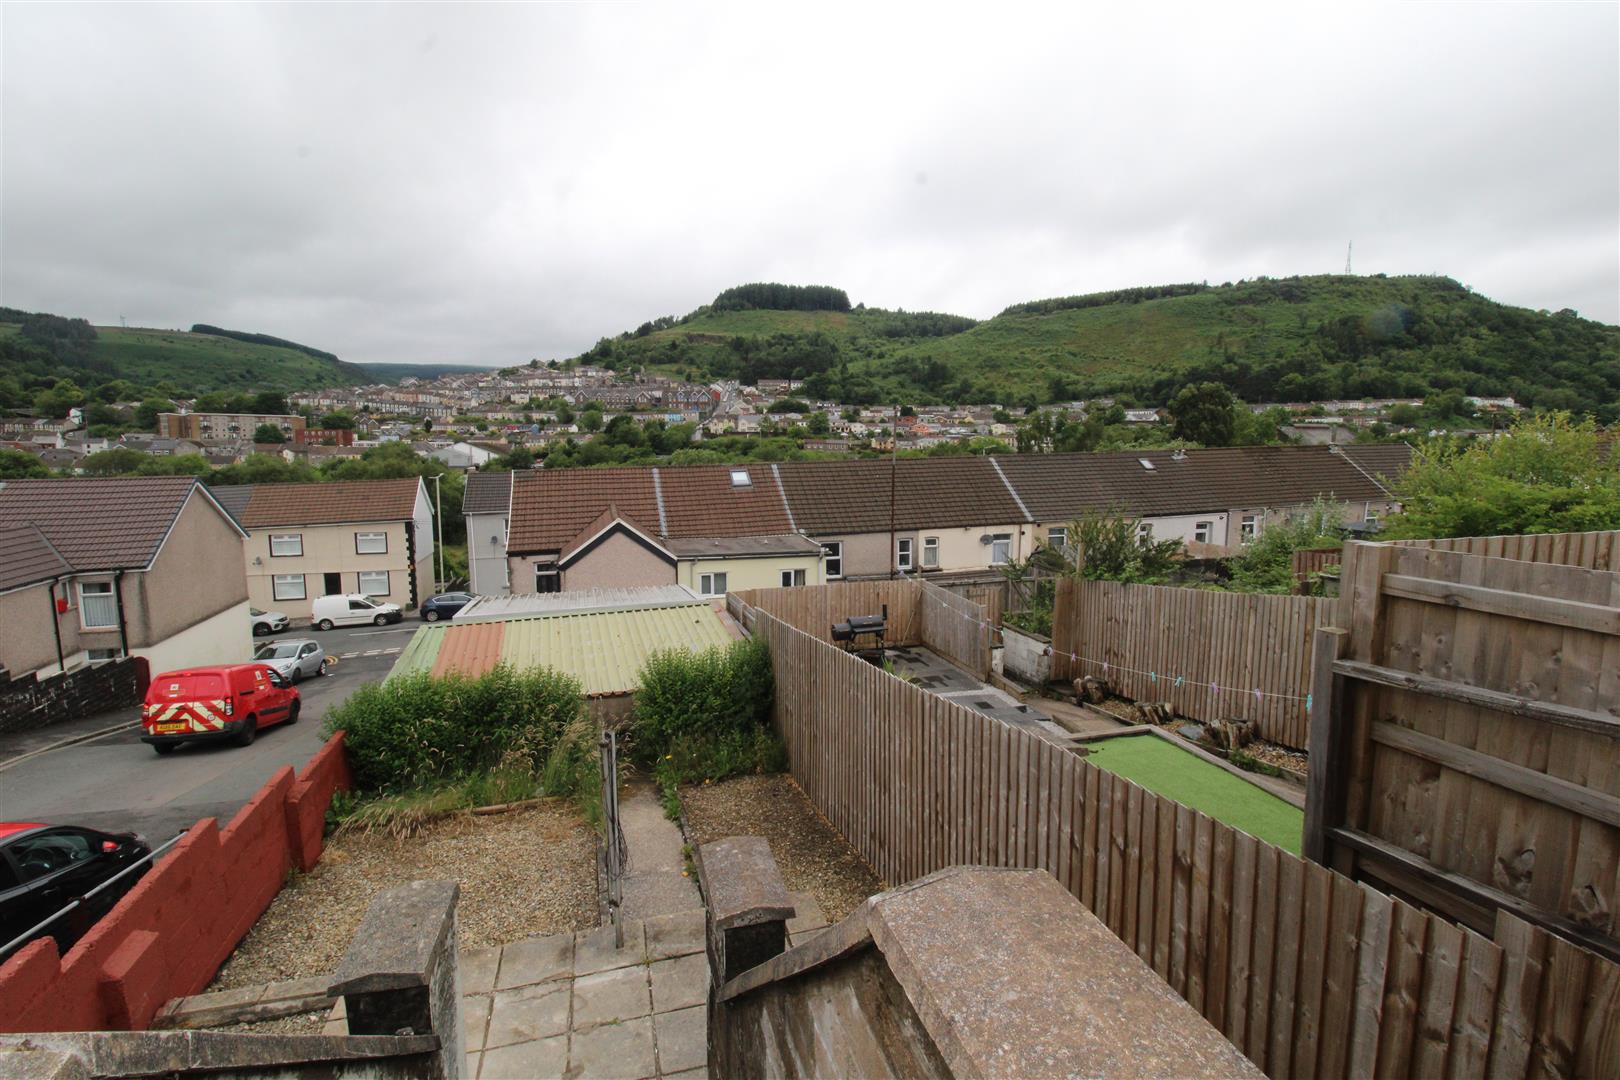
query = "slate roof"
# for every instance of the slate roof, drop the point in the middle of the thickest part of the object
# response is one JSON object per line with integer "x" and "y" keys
{"x": 1056, "y": 487}
{"x": 829, "y": 497}
{"x": 233, "y": 497}
{"x": 487, "y": 493}
{"x": 1385, "y": 461}
{"x": 26, "y": 557}
{"x": 330, "y": 502}
{"x": 100, "y": 523}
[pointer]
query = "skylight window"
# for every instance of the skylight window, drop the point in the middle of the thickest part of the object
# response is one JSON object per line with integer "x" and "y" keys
{"x": 740, "y": 478}
{"x": 1145, "y": 463}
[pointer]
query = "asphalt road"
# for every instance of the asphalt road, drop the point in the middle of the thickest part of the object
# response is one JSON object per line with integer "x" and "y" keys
{"x": 116, "y": 782}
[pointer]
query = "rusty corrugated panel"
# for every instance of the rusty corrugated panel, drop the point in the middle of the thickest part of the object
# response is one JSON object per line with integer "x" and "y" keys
{"x": 472, "y": 649}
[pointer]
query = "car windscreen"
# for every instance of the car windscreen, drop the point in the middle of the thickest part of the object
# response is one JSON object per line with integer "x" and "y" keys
{"x": 276, "y": 652}
{"x": 189, "y": 687}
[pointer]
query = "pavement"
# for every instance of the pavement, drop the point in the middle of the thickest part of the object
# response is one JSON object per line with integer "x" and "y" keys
{"x": 655, "y": 875}
{"x": 95, "y": 771}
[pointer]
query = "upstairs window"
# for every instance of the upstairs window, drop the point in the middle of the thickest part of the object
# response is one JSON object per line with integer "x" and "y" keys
{"x": 1000, "y": 549}
{"x": 1057, "y": 538}
{"x": 1250, "y": 528}
{"x": 931, "y": 552}
{"x": 98, "y": 607}
{"x": 547, "y": 578}
{"x": 902, "y": 553}
{"x": 834, "y": 553}
{"x": 286, "y": 544}
{"x": 371, "y": 543}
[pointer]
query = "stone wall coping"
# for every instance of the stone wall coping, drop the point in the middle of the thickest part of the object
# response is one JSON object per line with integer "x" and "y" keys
{"x": 401, "y": 933}
{"x": 146, "y": 1053}
{"x": 741, "y": 883}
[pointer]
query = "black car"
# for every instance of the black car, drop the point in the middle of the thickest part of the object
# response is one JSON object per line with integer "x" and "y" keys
{"x": 444, "y": 605}
{"x": 45, "y": 867}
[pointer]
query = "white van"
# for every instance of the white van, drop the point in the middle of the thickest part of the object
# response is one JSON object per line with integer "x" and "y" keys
{"x": 351, "y": 610}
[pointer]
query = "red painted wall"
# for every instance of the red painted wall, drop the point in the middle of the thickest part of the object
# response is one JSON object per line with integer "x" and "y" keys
{"x": 171, "y": 932}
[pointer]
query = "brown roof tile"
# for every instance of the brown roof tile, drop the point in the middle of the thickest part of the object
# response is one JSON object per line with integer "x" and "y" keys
{"x": 330, "y": 502}
{"x": 551, "y": 507}
{"x": 929, "y": 493}
{"x": 99, "y": 523}
{"x": 701, "y": 501}
{"x": 26, "y": 557}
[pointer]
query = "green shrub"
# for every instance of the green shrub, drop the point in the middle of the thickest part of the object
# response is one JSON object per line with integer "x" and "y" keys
{"x": 688, "y": 697}
{"x": 417, "y": 731}
{"x": 1266, "y": 564}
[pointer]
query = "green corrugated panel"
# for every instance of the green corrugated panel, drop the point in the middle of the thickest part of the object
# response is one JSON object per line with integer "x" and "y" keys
{"x": 606, "y": 650}
{"x": 420, "y": 651}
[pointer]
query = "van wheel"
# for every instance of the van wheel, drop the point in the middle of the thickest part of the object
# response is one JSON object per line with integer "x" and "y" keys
{"x": 250, "y": 728}
{"x": 381, "y": 620}
{"x": 292, "y": 713}
{"x": 324, "y": 624}
{"x": 162, "y": 749}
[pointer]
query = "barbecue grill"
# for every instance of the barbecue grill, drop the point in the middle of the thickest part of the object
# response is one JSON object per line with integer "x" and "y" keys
{"x": 849, "y": 632}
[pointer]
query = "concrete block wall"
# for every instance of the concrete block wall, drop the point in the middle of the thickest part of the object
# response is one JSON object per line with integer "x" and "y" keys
{"x": 168, "y": 936}
{"x": 27, "y": 703}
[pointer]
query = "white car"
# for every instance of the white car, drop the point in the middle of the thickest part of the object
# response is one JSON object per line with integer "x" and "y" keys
{"x": 293, "y": 659}
{"x": 268, "y": 622}
{"x": 352, "y": 609}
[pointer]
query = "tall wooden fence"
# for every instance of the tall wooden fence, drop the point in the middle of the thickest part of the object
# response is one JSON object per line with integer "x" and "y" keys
{"x": 815, "y": 608}
{"x": 1592, "y": 550}
{"x": 956, "y": 628}
{"x": 1469, "y": 753}
{"x": 1211, "y": 655}
{"x": 1306, "y": 971}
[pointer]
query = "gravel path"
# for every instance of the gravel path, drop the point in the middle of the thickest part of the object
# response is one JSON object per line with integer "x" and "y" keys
{"x": 522, "y": 874}
{"x": 811, "y": 854}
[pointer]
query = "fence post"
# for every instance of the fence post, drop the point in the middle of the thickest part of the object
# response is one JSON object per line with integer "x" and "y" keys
{"x": 1324, "y": 787}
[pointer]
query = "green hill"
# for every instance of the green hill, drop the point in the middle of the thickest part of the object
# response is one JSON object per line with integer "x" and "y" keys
{"x": 1269, "y": 339}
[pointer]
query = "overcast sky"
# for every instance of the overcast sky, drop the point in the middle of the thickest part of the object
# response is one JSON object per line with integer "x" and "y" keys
{"x": 490, "y": 184}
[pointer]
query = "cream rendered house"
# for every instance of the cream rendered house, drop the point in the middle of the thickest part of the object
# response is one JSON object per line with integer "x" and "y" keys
{"x": 373, "y": 537}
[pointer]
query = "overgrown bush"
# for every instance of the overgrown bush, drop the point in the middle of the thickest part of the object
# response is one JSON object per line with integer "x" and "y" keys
{"x": 1266, "y": 564}
{"x": 1114, "y": 547}
{"x": 706, "y": 716}
{"x": 418, "y": 731}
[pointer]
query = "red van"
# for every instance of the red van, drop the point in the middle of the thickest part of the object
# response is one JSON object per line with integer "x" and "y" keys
{"x": 209, "y": 703}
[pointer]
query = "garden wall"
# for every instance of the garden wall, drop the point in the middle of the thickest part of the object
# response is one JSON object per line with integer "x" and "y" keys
{"x": 168, "y": 936}
{"x": 27, "y": 703}
{"x": 1307, "y": 972}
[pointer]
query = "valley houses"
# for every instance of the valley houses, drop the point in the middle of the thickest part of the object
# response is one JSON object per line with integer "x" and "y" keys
{"x": 714, "y": 528}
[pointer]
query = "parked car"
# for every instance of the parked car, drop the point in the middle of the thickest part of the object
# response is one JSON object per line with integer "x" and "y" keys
{"x": 444, "y": 606}
{"x": 351, "y": 609}
{"x": 294, "y": 658}
{"x": 208, "y": 704}
{"x": 44, "y": 867}
{"x": 268, "y": 622}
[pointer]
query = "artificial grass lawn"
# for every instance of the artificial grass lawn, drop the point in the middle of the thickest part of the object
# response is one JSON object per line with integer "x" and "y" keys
{"x": 1166, "y": 770}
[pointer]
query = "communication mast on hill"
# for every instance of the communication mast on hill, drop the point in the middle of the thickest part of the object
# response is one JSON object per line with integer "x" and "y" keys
{"x": 1348, "y": 249}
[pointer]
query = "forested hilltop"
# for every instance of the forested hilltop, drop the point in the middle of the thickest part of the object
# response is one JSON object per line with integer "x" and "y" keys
{"x": 1271, "y": 339}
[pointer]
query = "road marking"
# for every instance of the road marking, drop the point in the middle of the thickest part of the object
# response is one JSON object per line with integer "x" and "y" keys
{"x": 372, "y": 652}
{"x": 373, "y": 633}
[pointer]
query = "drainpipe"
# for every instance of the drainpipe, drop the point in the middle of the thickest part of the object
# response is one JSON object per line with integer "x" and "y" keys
{"x": 123, "y": 626}
{"x": 56, "y": 628}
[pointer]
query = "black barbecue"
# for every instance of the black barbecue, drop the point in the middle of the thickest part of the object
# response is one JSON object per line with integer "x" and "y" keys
{"x": 849, "y": 633}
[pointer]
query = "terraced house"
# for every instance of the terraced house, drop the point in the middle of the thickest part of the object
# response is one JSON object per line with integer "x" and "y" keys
{"x": 709, "y": 528}
{"x": 354, "y": 536}
{"x": 97, "y": 568}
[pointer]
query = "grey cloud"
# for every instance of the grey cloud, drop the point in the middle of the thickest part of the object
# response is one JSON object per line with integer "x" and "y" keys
{"x": 493, "y": 183}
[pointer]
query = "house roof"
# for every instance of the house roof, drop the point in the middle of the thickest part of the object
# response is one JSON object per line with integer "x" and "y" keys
{"x": 604, "y": 650}
{"x": 853, "y": 496}
{"x": 575, "y": 600}
{"x": 101, "y": 523}
{"x": 27, "y": 557}
{"x": 551, "y": 507}
{"x": 233, "y": 497}
{"x": 1385, "y": 461}
{"x": 330, "y": 502}
{"x": 702, "y": 501}
{"x": 487, "y": 493}
{"x": 1056, "y": 487}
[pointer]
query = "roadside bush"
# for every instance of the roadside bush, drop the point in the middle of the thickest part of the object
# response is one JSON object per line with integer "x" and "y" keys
{"x": 418, "y": 732}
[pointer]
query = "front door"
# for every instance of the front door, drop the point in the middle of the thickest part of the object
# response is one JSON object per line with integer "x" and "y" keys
{"x": 334, "y": 584}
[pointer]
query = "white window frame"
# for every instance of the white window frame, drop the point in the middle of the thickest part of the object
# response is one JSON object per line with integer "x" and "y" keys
{"x": 91, "y": 597}
{"x": 708, "y": 581}
{"x": 280, "y": 583}
{"x": 1202, "y": 531}
{"x": 297, "y": 538}
{"x": 930, "y": 553}
{"x": 1144, "y": 532}
{"x": 388, "y": 585}
{"x": 373, "y": 536}
{"x": 1249, "y": 529}
{"x": 833, "y": 554}
{"x": 549, "y": 571}
{"x": 1058, "y": 537}
{"x": 792, "y": 578}
{"x": 1000, "y": 549}
{"x": 903, "y": 553}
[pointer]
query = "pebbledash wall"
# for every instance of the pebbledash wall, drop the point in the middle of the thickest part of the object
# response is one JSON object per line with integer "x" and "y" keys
{"x": 169, "y": 935}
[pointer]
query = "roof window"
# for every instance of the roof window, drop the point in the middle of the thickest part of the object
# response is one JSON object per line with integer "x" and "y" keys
{"x": 1145, "y": 463}
{"x": 741, "y": 479}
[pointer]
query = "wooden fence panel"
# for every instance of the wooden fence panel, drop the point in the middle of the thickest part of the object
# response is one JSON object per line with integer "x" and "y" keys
{"x": 1211, "y": 655}
{"x": 1306, "y": 972}
{"x": 957, "y": 628}
{"x": 1590, "y": 550}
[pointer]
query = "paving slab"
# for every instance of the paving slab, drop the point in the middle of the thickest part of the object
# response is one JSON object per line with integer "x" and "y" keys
{"x": 678, "y": 934}
{"x": 527, "y": 1013}
{"x": 683, "y": 1039}
{"x": 594, "y": 949}
{"x": 655, "y": 882}
{"x": 528, "y": 1060}
{"x": 478, "y": 968}
{"x": 808, "y": 914}
{"x": 611, "y": 996}
{"x": 680, "y": 982}
{"x": 623, "y": 1051}
{"x": 474, "y": 1019}
{"x": 536, "y": 960}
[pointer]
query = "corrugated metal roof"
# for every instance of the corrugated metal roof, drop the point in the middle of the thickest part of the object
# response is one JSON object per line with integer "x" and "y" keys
{"x": 518, "y": 605}
{"x": 604, "y": 650}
